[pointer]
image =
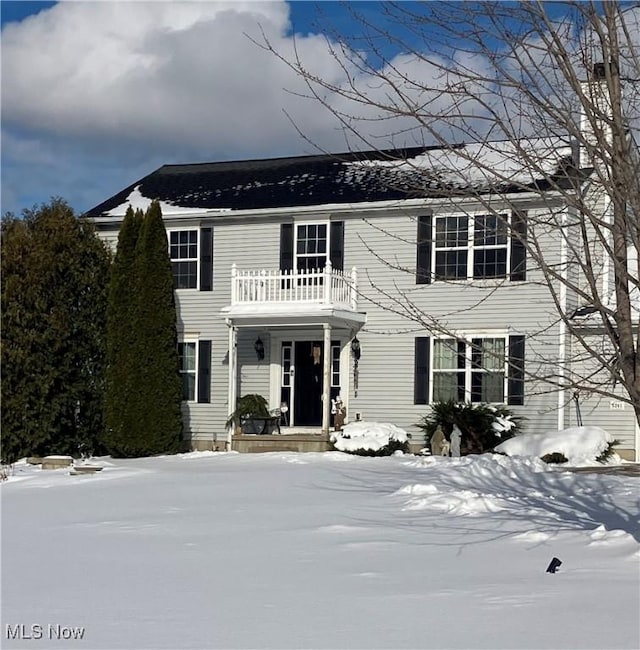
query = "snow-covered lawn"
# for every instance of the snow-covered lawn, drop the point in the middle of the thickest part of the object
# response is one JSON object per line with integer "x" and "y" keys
{"x": 286, "y": 550}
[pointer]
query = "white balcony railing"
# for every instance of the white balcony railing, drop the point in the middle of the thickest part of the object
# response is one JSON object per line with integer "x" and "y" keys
{"x": 320, "y": 286}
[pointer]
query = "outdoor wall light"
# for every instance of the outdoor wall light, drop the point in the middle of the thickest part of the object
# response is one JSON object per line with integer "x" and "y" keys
{"x": 355, "y": 348}
{"x": 258, "y": 346}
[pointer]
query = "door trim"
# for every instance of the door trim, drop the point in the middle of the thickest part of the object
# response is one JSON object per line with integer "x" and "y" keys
{"x": 275, "y": 375}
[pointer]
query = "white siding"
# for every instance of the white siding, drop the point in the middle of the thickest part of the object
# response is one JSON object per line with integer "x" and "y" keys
{"x": 386, "y": 369}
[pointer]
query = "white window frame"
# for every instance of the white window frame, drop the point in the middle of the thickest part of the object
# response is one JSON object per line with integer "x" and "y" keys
{"x": 186, "y": 259}
{"x": 336, "y": 366}
{"x": 467, "y": 338}
{"x": 310, "y": 222}
{"x": 469, "y": 245}
{"x": 196, "y": 343}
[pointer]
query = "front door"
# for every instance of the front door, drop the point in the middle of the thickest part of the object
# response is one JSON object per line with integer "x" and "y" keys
{"x": 301, "y": 388}
{"x": 307, "y": 381}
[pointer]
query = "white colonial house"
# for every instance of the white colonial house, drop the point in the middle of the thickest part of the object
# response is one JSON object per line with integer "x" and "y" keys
{"x": 383, "y": 277}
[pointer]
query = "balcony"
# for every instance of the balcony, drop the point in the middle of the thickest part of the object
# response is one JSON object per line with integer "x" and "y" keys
{"x": 315, "y": 295}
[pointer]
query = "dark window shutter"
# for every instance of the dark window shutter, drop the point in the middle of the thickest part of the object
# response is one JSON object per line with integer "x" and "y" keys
{"x": 286, "y": 247}
{"x": 421, "y": 370}
{"x": 423, "y": 256}
{"x": 206, "y": 259}
{"x": 204, "y": 372}
{"x": 518, "y": 270}
{"x": 515, "y": 386}
{"x": 337, "y": 245}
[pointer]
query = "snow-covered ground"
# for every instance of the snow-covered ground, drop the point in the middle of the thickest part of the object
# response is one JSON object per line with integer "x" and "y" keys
{"x": 286, "y": 550}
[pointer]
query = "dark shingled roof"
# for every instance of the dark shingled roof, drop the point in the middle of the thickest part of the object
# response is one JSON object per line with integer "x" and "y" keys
{"x": 293, "y": 182}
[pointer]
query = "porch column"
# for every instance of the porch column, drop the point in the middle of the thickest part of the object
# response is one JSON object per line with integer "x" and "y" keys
{"x": 326, "y": 379}
{"x": 233, "y": 375}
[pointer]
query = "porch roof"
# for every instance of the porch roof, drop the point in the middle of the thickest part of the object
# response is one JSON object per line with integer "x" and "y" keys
{"x": 292, "y": 314}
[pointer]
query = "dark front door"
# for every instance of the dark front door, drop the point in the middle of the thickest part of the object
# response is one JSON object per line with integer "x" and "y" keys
{"x": 308, "y": 383}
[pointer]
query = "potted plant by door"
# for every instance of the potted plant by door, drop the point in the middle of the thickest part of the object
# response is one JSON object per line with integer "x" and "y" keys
{"x": 251, "y": 415}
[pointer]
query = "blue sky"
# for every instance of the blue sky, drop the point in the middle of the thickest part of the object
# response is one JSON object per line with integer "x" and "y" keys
{"x": 98, "y": 94}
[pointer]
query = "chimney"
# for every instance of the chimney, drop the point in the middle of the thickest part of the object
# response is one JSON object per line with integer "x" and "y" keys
{"x": 595, "y": 109}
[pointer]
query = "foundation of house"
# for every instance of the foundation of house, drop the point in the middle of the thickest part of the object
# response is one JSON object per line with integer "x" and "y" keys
{"x": 297, "y": 442}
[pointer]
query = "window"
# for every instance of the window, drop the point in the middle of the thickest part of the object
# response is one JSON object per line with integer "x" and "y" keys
{"x": 488, "y": 370}
{"x": 194, "y": 358}
{"x": 451, "y": 243}
{"x": 448, "y": 370}
{"x": 471, "y": 247}
{"x": 473, "y": 372}
{"x": 183, "y": 250}
{"x": 306, "y": 246}
{"x": 286, "y": 364}
{"x": 311, "y": 246}
{"x": 187, "y": 358}
{"x": 335, "y": 365}
{"x": 490, "y": 246}
{"x": 478, "y": 369}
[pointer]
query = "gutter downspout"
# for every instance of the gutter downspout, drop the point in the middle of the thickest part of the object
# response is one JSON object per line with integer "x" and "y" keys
{"x": 233, "y": 377}
{"x": 562, "y": 334}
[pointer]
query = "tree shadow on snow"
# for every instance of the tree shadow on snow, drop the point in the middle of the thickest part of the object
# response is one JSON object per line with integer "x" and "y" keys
{"x": 487, "y": 497}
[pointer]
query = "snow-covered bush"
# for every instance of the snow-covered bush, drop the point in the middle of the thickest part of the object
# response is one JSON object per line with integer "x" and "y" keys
{"x": 579, "y": 445}
{"x": 483, "y": 426}
{"x": 371, "y": 439}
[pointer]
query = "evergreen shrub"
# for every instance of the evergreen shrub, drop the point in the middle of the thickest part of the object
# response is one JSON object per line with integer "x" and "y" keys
{"x": 483, "y": 426}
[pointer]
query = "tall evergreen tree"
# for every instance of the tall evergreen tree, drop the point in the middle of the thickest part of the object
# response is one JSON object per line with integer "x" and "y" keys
{"x": 144, "y": 390}
{"x": 158, "y": 411}
{"x": 122, "y": 366}
{"x": 54, "y": 292}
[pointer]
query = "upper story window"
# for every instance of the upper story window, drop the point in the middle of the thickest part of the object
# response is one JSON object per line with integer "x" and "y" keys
{"x": 311, "y": 246}
{"x": 308, "y": 245}
{"x": 183, "y": 250}
{"x": 191, "y": 253}
{"x": 471, "y": 247}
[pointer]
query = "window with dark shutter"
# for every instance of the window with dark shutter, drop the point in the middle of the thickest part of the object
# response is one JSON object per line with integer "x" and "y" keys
{"x": 336, "y": 244}
{"x": 183, "y": 251}
{"x": 421, "y": 370}
{"x": 518, "y": 270}
{"x": 204, "y": 371}
{"x": 206, "y": 259}
{"x": 516, "y": 371}
{"x": 286, "y": 247}
{"x": 423, "y": 255}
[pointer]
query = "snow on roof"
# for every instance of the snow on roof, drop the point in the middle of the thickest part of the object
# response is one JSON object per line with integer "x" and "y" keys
{"x": 347, "y": 178}
{"x": 137, "y": 201}
{"x": 479, "y": 164}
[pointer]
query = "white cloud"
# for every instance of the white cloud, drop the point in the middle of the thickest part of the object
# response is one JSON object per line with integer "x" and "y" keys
{"x": 175, "y": 81}
{"x": 179, "y": 74}
{"x": 116, "y": 88}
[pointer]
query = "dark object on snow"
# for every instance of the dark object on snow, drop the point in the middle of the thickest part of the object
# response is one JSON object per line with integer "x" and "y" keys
{"x": 555, "y": 457}
{"x": 553, "y": 565}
